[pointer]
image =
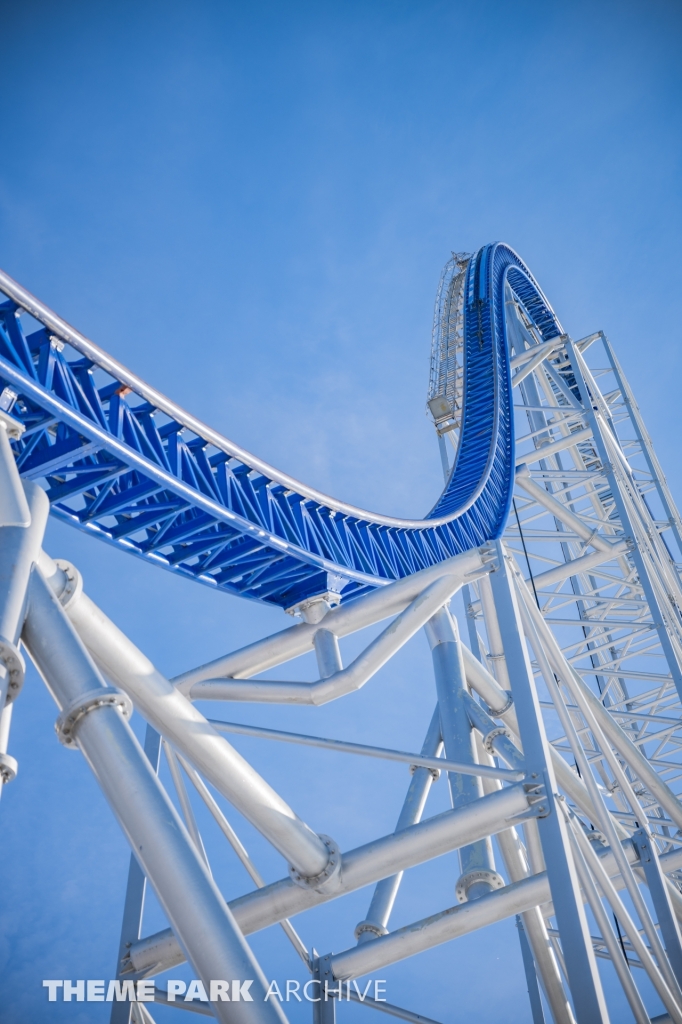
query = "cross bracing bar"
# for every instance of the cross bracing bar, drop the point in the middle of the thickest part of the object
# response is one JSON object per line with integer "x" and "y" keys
{"x": 417, "y": 844}
{"x": 418, "y": 760}
{"x": 161, "y": 951}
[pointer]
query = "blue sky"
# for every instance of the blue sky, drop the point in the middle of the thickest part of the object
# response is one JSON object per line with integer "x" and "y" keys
{"x": 250, "y": 205}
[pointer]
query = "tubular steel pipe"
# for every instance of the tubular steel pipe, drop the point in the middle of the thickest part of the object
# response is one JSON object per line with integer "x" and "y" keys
{"x": 517, "y": 868}
{"x": 187, "y": 730}
{"x": 434, "y": 764}
{"x": 19, "y": 549}
{"x": 492, "y": 626}
{"x": 516, "y": 898}
{"x": 492, "y": 736}
{"x": 264, "y": 907}
{"x": 577, "y": 565}
{"x": 498, "y": 700}
{"x": 560, "y": 511}
{"x": 555, "y": 446}
{"x": 362, "y": 866}
{"x": 442, "y": 927}
{"x": 14, "y": 510}
{"x": 478, "y": 874}
{"x": 200, "y": 918}
{"x": 23, "y": 514}
{"x": 376, "y": 921}
{"x": 347, "y": 618}
{"x": 349, "y": 679}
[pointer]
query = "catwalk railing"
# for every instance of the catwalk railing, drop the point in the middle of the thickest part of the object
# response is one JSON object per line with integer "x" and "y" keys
{"x": 557, "y": 723}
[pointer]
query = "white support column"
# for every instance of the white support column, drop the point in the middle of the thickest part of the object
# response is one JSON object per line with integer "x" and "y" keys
{"x": 376, "y": 922}
{"x": 91, "y": 718}
{"x": 478, "y": 875}
{"x": 136, "y": 889}
{"x": 24, "y": 509}
{"x": 583, "y": 976}
{"x": 178, "y": 721}
{"x": 531, "y": 924}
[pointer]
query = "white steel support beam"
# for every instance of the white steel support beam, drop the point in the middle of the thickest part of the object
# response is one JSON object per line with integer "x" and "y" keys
{"x": 178, "y": 721}
{"x": 456, "y": 921}
{"x": 363, "y": 866}
{"x": 161, "y": 951}
{"x": 381, "y": 604}
{"x": 554, "y": 447}
{"x": 136, "y": 890}
{"x": 378, "y": 915}
{"x": 628, "y": 750}
{"x": 477, "y": 866}
{"x": 442, "y": 927}
{"x": 19, "y": 549}
{"x": 532, "y": 930}
{"x": 583, "y": 977}
{"x": 498, "y": 700}
{"x": 564, "y": 514}
{"x": 200, "y": 918}
{"x": 583, "y": 564}
{"x": 24, "y": 509}
{"x": 346, "y": 680}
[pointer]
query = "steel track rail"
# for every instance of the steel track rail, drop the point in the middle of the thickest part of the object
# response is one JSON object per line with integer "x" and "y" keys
{"x": 124, "y": 463}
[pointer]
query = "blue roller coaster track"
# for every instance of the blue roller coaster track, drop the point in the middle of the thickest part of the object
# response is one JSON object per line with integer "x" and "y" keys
{"x": 125, "y": 464}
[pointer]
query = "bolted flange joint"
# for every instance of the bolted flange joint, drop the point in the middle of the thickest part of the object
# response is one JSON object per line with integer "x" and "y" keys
{"x": 103, "y": 696}
{"x": 328, "y": 880}
{"x": 370, "y": 928}
{"x": 10, "y": 657}
{"x": 435, "y": 772}
{"x": 477, "y": 877}
{"x": 491, "y": 736}
{"x": 74, "y": 582}
{"x": 510, "y": 703}
{"x": 8, "y": 768}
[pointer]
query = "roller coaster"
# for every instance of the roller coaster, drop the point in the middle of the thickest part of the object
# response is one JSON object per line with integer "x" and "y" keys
{"x": 557, "y": 719}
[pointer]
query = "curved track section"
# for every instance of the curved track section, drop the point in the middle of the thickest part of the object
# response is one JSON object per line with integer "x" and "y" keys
{"x": 124, "y": 463}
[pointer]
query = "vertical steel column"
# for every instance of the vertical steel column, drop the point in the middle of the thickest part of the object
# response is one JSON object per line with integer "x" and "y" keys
{"x": 474, "y": 645}
{"x": 13, "y": 508}
{"x": 133, "y": 907}
{"x": 376, "y": 922}
{"x": 581, "y": 966}
{"x": 531, "y": 977}
{"x": 658, "y": 889}
{"x": 635, "y": 554}
{"x": 324, "y": 1004}
{"x": 495, "y": 645}
{"x": 24, "y": 509}
{"x": 19, "y": 549}
{"x": 477, "y": 865}
{"x": 91, "y": 718}
{"x": 543, "y": 963}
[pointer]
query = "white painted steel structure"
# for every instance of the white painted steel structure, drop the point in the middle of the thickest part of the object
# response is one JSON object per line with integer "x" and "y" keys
{"x": 557, "y": 720}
